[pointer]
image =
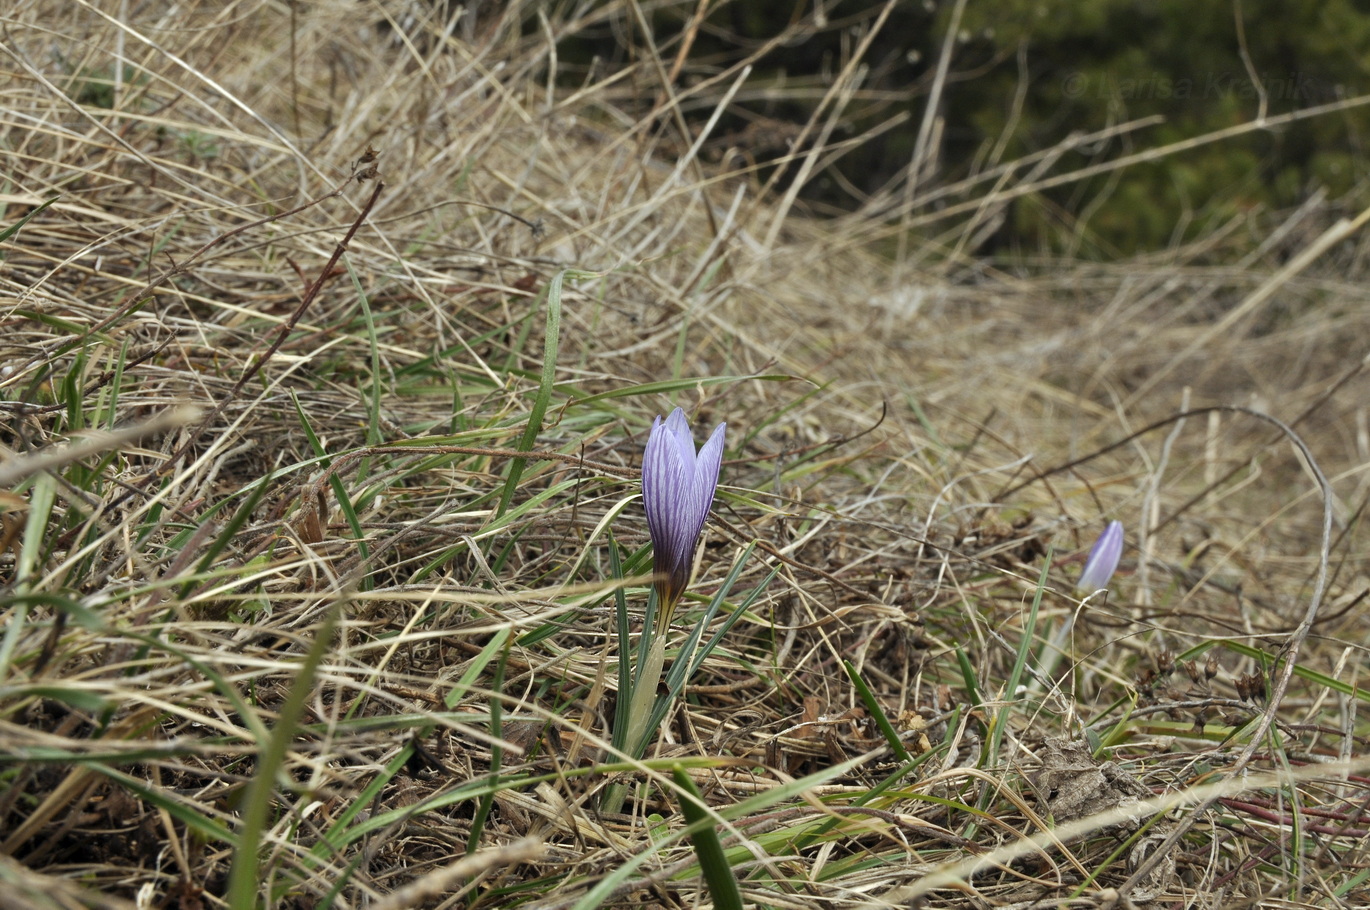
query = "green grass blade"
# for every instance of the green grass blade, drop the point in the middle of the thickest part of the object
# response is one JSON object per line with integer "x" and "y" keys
{"x": 737, "y": 613}
{"x": 1273, "y": 661}
{"x": 13, "y": 229}
{"x": 876, "y": 712}
{"x": 345, "y": 504}
{"x": 244, "y": 885}
{"x": 1020, "y": 660}
{"x": 373, "y": 402}
{"x": 968, "y": 676}
{"x": 625, "y": 667}
{"x": 718, "y": 875}
{"x": 689, "y": 660}
{"x": 207, "y": 828}
{"x": 606, "y": 886}
{"x": 544, "y": 394}
{"x": 498, "y": 645}
{"x": 227, "y": 533}
{"x": 496, "y": 753}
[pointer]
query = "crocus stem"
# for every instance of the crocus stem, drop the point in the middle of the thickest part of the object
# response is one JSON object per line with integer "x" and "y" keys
{"x": 646, "y": 681}
{"x": 1050, "y": 657}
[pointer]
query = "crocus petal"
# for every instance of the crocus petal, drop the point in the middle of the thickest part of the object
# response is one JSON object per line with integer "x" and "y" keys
{"x": 678, "y": 428}
{"x": 677, "y": 490}
{"x": 663, "y": 477}
{"x": 1103, "y": 559}
{"x": 707, "y": 467}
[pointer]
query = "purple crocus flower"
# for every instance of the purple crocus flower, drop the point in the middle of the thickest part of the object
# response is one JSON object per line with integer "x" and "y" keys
{"x": 1103, "y": 559}
{"x": 677, "y": 490}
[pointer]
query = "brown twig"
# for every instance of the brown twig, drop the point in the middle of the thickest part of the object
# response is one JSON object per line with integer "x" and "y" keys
{"x": 282, "y": 333}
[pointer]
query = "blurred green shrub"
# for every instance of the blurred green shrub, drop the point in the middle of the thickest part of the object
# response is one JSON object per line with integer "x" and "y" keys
{"x": 1079, "y": 67}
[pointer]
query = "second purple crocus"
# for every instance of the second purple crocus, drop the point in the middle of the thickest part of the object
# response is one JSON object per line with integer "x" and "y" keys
{"x": 1103, "y": 559}
{"x": 678, "y": 487}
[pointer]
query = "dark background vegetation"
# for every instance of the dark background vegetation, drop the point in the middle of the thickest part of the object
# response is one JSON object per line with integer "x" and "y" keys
{"x": 1024, "y": 76}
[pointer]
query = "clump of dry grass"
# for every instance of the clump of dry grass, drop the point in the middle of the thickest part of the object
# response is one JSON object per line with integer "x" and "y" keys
{"x": 316, "y": 454}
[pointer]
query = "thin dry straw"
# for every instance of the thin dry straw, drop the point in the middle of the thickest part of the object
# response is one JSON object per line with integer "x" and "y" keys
{"x": 95, "y": 443}
{"x": 1194, "y": 800}
{"x": 1296, "y": 638}
{"x": 1106, "y": 167}
{"x": 1338, "y": 232}
{"x": 1291, "y": 654}
{"x": 841, "y": 88}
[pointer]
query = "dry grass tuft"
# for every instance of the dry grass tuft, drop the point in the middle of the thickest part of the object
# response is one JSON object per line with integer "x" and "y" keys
{"x": 299, "y": 613}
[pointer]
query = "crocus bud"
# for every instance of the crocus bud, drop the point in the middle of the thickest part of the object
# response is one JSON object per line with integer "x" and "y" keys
{"x": 1103, "y": 559}
{"x": 677, "y": 490}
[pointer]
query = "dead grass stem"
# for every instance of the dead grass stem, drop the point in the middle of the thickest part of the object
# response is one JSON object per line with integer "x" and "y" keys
{"x": 267, "y": 565}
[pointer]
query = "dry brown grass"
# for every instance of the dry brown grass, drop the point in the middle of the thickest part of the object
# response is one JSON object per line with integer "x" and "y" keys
{"x": 302, "y": 598}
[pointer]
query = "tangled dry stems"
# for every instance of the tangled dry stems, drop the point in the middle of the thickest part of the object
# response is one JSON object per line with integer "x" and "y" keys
{"x": 948, "y": 425}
